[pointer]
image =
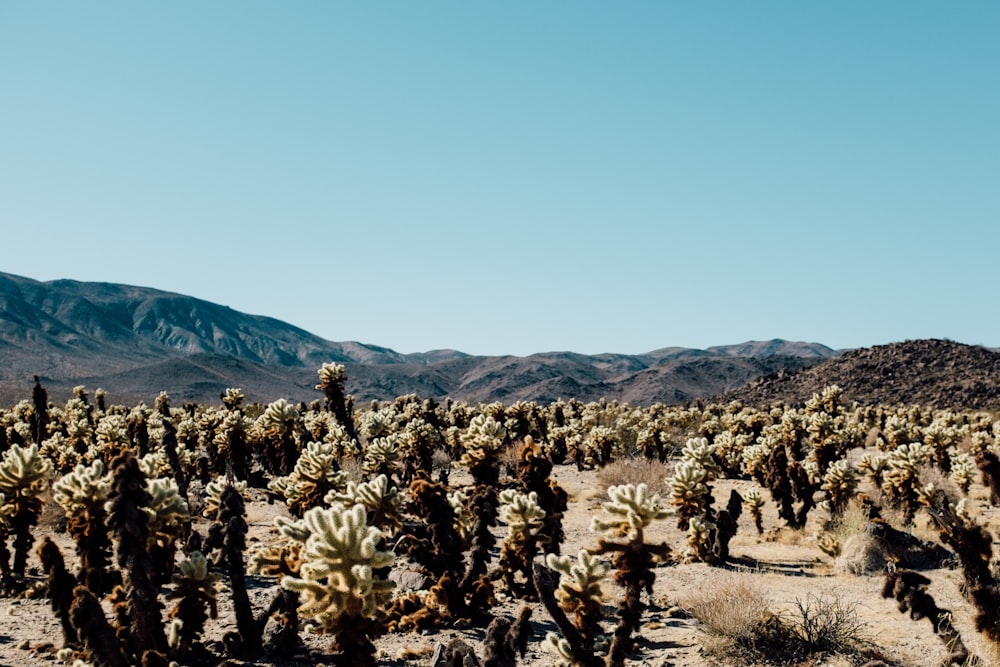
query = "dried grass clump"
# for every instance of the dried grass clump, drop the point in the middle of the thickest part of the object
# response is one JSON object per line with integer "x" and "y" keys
{"x": 654, "y": 474}
{"x": 862, "y": 555}
{"x": 859, "y": 552}
{"x": 731, "y": 606}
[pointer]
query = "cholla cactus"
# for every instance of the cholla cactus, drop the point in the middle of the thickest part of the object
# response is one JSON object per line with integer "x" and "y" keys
{"x": 213, "y": 495}
{"x": 963, "y": 471}
{"x": 689, "y": 494}
{"x": 378, "y": 423}
{"x": 829, "y": 544}
{"x": 633, "y": 508}
{"x": 483, "y": 441}
{"x": 697, "y": 450}
{"x": 277, "y": 428}
{"x": 24, "y": 476}
{"x": 382, "y": 457}
{"x": 332, "y": 378}
{"x": 169, "y": 516}
{"x": 465, "y": 519}
{"x": 155, "y": 464}
{"x": 381, "y": 500}
{"x": 700, "y": 538}
{"x": 337, "y": 582}
{"x": 82, "y": 494}
{"x": 232, "y": 398}
{"x": 315, "y": 474}
{"x": 754, "y": 504}
{"x": 167, "y": 510}
{"x": 729, "y": 448}
{"x": 343, "y": 444}
{"x": 564, "y": 650}
{"x": 839, "y": 484}
{"x": 112, "y": 436}
{"x": 81, "y": 490}
{"x": 579, "y": 593}
{"x": 902, "y": 476}
{"x": 195, "y": 589}
{"x": 525, "y": 520}
{"x": 601, "y": 444}
{"x": 874, "y": 467}
{"x": 755, "y": 456}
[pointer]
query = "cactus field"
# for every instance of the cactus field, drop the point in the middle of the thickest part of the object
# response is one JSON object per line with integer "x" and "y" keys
{"x": 412, "y": 532}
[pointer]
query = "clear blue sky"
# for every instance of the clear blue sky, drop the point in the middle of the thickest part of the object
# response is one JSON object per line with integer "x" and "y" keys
{"x": 517, "y": 177}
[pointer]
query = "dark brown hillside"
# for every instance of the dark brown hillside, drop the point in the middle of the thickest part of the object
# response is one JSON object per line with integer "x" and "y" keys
{"x": 935, "y": 373}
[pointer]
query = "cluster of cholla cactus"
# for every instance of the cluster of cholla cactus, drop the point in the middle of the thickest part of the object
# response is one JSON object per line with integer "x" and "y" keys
{"x": 129, "y": 479}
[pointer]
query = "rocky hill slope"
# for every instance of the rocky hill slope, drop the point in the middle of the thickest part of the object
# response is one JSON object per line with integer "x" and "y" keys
{"x": 137, "y": 341}
{"x": 936, "y": 373}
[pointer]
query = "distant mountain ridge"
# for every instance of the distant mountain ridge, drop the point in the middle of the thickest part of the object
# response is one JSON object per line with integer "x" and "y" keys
{"x": 136, "y": 341}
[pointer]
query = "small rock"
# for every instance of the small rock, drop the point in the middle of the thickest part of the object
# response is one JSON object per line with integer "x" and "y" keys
{"x": 409, "y": 580}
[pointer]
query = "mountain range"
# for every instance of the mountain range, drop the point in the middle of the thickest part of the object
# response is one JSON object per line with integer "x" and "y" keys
{"x": 137, "y": 341}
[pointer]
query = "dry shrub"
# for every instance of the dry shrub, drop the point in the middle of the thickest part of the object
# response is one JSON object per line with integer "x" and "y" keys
{"x": 827, "y": 624}
{"x": 507, "y": 460}
{"x": 351, "y": 466}
{"x": 640, "y": 470}
{"x": 742, "y": 630}
{"x": 440, "y": 459}
{"x": 53, "y": 517}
